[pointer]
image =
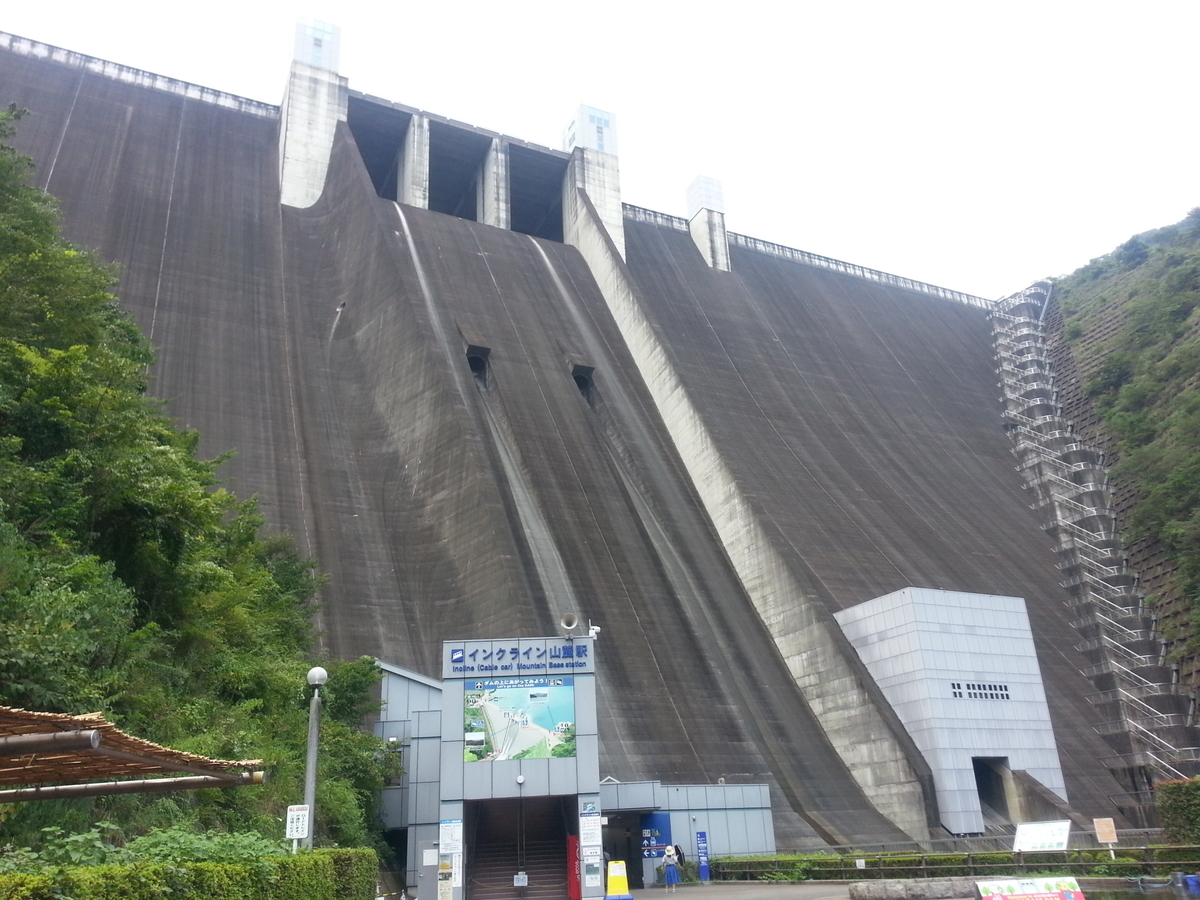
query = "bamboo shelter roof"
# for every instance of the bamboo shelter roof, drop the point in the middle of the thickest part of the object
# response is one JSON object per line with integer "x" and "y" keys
{"x": 112, "y": 754}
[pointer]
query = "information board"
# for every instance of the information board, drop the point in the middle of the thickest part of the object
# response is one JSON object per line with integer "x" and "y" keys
{"x": 297, "y": 822}
{"x": 1034, "y": 836}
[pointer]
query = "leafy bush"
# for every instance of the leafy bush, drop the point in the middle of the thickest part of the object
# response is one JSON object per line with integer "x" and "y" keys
{"x": 1178, "y": 805}
{"x": 321, "y": 875}
{"x": 179, "y": 844}
{"x": 901, "y": 867}
{"x": 1121, "y": 867}
{"x": 1176, "y": 854}
{"x": 26, "y": 887}
{"x": 356, "y": 872}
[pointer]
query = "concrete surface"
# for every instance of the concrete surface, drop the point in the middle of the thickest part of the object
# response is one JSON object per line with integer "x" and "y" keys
{"x": 853, "y": 430}
{"x": 746, "y": 890}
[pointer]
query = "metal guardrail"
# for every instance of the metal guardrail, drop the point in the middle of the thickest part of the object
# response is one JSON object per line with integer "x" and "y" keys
{"x": 1096, "y": 579}
{"x": 861, "y": 865}
{"x": 1133, "y": 838}
{"x": 837, "y": 265}
{"x": 103, "y": 67}
{"x": 651, "y": 217}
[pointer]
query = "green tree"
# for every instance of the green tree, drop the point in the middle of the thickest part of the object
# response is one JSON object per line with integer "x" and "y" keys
{"x": 1133, "y": 318}
{"x": 132, "y": 584}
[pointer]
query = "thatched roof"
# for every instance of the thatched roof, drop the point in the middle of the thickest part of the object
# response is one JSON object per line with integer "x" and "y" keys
{"x": 41, "y": 750}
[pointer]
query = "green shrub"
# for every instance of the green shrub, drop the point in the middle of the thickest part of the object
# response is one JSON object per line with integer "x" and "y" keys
{"x": 948, "y": 866}
{"x": 826, "y": 864}
{"x": 323, "y": 875}
{"x": 1178, "y": 805}
{"x": 1176, "y": 854}
{"x": 357, "y": 871}
{"x": 222, "y": 881}
{"x": 181, "y": 844}
{"x": 1121, "y": 867}
{"x": 901, "y": 866}
{"x": 19, "y": 886}
{"x": 987, "y": 865}
{"x": 145, "y": 881}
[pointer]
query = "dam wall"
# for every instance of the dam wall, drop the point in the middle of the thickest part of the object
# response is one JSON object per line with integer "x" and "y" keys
{"x": 509, "y": 487}
{"x": 861, "y": 425}
{"x": 476, "y": 429}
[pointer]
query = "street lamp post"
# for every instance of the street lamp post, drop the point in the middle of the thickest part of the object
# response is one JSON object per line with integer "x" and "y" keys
{"x": 316, "y": 677}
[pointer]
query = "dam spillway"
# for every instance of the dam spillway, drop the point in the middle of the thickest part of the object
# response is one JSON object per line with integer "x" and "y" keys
{"x": 476, "y": 429}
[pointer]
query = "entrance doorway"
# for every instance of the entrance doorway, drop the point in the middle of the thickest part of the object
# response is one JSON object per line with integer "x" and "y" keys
{"x": 992, "y": 779}
{"x": 623, "y": 841}
{"x": 518, "y": 835}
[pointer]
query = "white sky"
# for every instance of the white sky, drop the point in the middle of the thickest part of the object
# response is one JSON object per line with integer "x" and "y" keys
{"x": 979, "y": 146}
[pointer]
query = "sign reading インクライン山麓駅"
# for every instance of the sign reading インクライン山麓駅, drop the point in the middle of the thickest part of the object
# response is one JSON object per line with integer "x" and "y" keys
{"x": 518, "y": 695}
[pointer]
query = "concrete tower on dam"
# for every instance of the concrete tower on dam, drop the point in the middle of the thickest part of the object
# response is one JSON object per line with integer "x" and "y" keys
{"x": 486, "y": 395}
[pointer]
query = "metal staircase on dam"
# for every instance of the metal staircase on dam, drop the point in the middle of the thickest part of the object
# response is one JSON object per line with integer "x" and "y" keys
{"x": 1151, "y": 721}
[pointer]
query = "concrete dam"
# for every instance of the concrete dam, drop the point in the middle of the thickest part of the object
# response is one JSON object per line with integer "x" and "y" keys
{"x": 484, "y": 393}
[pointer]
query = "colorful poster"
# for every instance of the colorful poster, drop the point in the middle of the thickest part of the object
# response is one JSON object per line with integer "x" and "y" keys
{"x": 1017, "y": 888}
{"x": 519, "y": 718}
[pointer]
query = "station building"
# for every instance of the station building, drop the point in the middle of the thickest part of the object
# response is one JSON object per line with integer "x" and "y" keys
{"x": 502, "y": 783}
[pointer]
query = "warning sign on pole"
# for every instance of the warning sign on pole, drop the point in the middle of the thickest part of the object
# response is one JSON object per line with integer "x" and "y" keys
{"x": 297, "y": 822}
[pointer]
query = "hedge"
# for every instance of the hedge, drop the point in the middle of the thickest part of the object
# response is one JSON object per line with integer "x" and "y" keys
{"x": 25, "y": 887}
{"x": 1178, "y": 805}
{"x": 321, "y": 875}
{"x": 999, "y": 864}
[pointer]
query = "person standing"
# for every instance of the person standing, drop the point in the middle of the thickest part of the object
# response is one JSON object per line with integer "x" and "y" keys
{"x": 670, "y": 869}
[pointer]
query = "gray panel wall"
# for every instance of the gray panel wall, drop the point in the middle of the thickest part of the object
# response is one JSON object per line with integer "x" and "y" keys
{"x": 736, "y": 817}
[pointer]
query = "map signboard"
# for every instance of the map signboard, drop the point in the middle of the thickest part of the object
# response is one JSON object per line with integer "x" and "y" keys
{"x": 530, "y": 717}
{"x": 1034, "y": 836}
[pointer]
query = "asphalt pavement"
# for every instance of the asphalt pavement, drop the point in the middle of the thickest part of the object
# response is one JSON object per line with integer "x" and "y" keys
{"x": 750, "y": 890}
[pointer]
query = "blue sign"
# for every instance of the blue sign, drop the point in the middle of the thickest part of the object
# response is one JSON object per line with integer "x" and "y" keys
{"x": 517, "y": 657}
{"x": 656, "y": 834}
{"x": 702, "y": 854}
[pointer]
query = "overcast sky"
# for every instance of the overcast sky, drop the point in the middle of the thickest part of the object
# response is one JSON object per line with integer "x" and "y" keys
{"x": 979, "y": 146}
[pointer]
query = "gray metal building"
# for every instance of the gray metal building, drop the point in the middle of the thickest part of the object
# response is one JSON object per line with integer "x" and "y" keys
{"x": 502, "y": 782}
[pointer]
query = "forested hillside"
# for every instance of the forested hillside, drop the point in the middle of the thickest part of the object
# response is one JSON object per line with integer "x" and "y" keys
{"x": 1133, "y": 327}
{"x": 129, "y": 582}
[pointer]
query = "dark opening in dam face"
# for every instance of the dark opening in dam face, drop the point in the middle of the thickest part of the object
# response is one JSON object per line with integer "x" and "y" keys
{"x": 478, "y": 429}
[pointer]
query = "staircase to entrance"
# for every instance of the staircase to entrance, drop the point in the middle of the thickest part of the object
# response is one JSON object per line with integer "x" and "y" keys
{"x": 519, "y": 835}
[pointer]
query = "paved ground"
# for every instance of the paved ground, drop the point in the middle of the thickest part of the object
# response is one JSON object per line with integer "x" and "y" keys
{"x": 751, "y": 890}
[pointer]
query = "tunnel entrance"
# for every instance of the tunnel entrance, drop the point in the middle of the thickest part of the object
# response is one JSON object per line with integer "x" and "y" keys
{"x": 990, "y": 784}
{"x": 513, "y": 836}
{"x": 477, "y": 361}
{"x": 583, "y": 381}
